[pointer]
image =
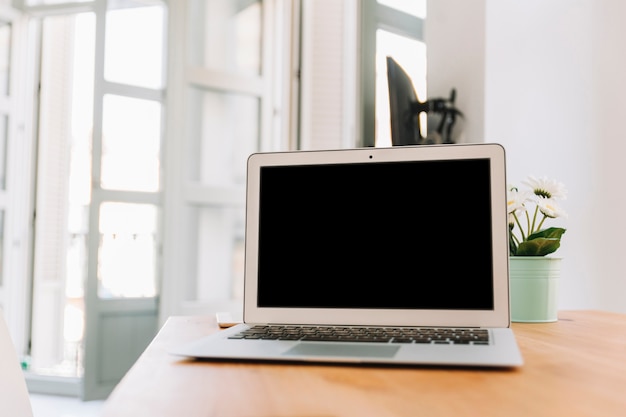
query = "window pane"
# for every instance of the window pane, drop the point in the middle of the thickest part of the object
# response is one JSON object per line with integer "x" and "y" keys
{"x": 3, "y": 151}
{"x": 131, "y": 144}
{"x": 63, "y": 193}
{"x": 225, "y": 35}
{"x": 5, "y": 57}
{"x": 226, "y": 128}
{"x": 128, "y": 250}
{"x": 219, "y": 253}
{"x": 415, "y": 8}
{"x": 135, "y": 56}
{"x": 411, "y": 55}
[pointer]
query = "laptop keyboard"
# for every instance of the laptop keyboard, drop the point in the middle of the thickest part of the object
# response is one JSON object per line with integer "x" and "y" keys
{"x": 426, "y": 335}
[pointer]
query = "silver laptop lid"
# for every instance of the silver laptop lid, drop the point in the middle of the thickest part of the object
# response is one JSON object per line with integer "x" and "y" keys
{"x": 398, "y": 236}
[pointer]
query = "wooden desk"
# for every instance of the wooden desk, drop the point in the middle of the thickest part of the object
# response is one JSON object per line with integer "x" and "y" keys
{"x": 574, "y": 367}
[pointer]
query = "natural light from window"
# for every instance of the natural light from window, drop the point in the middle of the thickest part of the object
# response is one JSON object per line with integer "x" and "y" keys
{"x": 411, "y": 55}
{"x": 130, "y": 162}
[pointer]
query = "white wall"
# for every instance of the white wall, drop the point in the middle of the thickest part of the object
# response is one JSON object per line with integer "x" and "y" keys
{"x": 606, "y": 221}
{"x": 554, "y": 72}
{"x": 455, "y": 37}
{"x": 554, "y": 97}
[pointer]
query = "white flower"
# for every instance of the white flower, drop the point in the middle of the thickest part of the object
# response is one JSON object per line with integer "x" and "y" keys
{"x": 527, "y": 212}
{"x": 546, "y": 188}
{"x": 515, "y": 200}
{"x": 550, "y": 208}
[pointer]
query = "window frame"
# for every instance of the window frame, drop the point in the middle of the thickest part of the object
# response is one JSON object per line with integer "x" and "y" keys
{"x": 184, "y": 196}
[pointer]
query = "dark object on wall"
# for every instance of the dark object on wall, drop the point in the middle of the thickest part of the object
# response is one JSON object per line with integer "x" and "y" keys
{"x": 405, "y": 109}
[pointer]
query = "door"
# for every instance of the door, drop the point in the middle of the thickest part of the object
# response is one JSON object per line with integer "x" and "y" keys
{"x": 124, "y": 242}
{"x": 97, "y": 239}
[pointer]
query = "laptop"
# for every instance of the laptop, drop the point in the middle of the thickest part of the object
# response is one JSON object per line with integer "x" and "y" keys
{"x": 389, "y": 256}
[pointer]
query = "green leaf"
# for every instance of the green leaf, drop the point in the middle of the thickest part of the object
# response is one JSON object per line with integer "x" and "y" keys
{"x": 538, "y": 247}
{"x": 550, "y": 233}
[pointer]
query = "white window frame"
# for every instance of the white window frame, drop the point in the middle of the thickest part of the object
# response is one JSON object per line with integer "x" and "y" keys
{"x": 17, "y": 197}
{"x": 276, "y": 88}
{"x": 23, "y": 168}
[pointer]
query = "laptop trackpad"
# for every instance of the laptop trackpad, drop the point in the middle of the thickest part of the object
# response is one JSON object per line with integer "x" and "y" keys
{"x": 342, "y": 349}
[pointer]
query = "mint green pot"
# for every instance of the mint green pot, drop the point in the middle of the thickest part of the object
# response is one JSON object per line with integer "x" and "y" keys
{"x": 534, "y": 286}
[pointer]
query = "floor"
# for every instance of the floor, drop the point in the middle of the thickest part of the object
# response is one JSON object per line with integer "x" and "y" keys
{"x": 57, "y": 406}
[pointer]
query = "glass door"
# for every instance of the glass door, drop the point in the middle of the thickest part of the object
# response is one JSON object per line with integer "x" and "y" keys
{"x": 97, "y": 232}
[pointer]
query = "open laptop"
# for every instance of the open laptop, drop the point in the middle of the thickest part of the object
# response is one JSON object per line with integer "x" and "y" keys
{"x": 374, "y": 255}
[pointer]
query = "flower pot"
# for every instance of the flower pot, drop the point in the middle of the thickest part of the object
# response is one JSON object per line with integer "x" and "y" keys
{"x": 534, "y": 283}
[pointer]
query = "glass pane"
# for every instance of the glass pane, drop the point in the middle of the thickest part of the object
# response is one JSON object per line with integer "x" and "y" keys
{"x": 5, "y": 57}
{"x": 127, "y": 255}
{"x": 415, "y": 8}
{"x": 131, "y": 144}
{"x": 227, "y": 128}
{"x": 411, "y": 55}
{"x": 225, "y": 35}
{"x": 219, "y": 253}
{"x": 133, "y": 56}
{"x": 3, "y": 151}
{"x": 63, "y": 193}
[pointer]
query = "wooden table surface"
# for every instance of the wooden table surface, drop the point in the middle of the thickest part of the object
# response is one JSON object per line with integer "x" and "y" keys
{"x": 573, "y": 367}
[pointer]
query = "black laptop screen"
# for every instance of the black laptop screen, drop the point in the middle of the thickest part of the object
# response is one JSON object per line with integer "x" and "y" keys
{"x": 394, "y": 235}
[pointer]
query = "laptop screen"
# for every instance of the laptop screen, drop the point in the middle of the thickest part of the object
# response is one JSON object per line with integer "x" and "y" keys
{"x": 389, "y": 235}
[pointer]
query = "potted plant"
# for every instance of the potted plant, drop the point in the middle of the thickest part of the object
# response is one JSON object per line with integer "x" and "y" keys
{"x": 534, "y": 277}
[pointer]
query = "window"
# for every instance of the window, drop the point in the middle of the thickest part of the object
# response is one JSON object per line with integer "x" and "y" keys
{"x": 226, "y": 102}
{"x": 63, "y": 193}
{"x": 104, "y": 200}
{"x": 389, "y": 28}
{"x": 97, "y": 232}
{"x": 226, "y": 113}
